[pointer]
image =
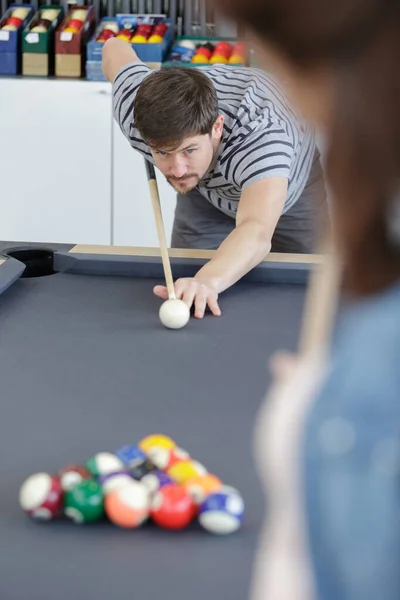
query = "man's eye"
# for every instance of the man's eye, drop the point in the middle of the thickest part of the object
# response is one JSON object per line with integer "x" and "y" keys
{"x": 191, "y": 150}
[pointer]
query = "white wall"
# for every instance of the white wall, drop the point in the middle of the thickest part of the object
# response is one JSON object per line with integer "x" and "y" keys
{"x": 66, "y": 173}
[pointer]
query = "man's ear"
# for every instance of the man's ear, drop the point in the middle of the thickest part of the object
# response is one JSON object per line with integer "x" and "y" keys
{"x": 218, "y": 128}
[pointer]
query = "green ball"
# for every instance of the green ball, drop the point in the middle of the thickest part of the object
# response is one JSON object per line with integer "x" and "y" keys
{"x": 84, "y": 503}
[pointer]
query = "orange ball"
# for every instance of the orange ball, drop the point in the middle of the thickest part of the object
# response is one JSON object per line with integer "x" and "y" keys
{"x": 201, "y": 486}
{"x": 218, "y": 59}
{"x": 128, "y": 506}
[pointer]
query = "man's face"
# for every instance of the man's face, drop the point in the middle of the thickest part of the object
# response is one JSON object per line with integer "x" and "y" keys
{"x": 185, "y": 166}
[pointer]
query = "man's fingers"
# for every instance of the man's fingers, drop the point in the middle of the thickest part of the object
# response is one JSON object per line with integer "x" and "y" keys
{"x": 190, "y": 293}
{"x": 161, "y": 292}
{"x": 214, "y": 306}
{"x": 200, "y": 304}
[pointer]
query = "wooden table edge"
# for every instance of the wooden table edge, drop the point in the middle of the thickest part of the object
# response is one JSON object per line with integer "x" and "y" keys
{"x": 312, "y": 259}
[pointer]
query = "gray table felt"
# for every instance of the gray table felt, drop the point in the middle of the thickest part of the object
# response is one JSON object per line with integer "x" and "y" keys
{"x": 86, "y": 366}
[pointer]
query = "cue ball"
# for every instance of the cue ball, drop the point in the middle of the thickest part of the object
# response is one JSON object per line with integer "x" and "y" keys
{"x": 174, "y": 314}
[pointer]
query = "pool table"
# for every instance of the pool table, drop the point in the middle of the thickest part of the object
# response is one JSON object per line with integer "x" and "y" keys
{"x": 86, "y": 366}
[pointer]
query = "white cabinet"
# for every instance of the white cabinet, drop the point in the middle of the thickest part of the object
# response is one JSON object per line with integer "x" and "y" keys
{"x": 134, "y": 223}
{"x": 55, "y": 161}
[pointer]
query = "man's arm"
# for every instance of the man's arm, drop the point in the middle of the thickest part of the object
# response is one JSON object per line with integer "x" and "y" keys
{"x": 260, "y": 208}
{"x": 116, "y": 55}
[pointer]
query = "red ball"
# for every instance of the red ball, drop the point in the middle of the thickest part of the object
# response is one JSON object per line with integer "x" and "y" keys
{"x": 223, "y": 48}
{"x": 173, "y": 507}
{"x": 203, "y": 51}
{"x": 105, "y": 34}
{"x": 240, "y": 49}
{"x": 144, "y": 30}
{"x": 160, "y": 29}
{"x": 41, "y": 496}
{"x": 72, "y": 475}
{"x": 76, "y": 24}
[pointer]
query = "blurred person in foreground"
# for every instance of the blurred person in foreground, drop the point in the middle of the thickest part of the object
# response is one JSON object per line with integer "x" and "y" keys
{"x": 328, "y": 440}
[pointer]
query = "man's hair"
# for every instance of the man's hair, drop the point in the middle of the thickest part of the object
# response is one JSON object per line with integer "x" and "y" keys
{"x": 173, "y": 104}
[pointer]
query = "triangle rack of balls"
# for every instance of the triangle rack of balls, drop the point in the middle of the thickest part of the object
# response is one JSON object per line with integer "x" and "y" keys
{"x": 153, "y": 481}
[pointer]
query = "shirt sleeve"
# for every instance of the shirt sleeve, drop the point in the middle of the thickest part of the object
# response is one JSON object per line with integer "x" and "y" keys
{"x": 125, "y": 87}
{"x": 258, "y": 156}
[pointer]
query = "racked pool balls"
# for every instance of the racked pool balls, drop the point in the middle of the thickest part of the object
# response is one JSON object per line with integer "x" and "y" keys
{"x": 222, "y": 512}
{"x": 128, "y": 506}
{"x": 71, "y": 475}
{"x": 172, "y": 507}
{"x": 104, "y": 463}
{"x": 84, "y": 503}
{"x": 41, "y": 496}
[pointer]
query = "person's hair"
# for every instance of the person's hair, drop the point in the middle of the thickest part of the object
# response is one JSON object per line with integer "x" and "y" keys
{"x": 173, "y": 104}
{"x": 359, "y": 42}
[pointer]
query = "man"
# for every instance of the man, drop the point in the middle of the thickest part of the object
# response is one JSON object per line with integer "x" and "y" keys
{"x": 245, "y": 167}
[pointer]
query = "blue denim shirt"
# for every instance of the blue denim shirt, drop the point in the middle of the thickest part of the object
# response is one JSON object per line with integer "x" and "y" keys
{"x": 352, "y": 458}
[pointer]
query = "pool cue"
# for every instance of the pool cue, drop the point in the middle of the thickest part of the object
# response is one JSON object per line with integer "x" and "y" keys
{"x": 321, "y": 304}
{"x": 155, "y": 199}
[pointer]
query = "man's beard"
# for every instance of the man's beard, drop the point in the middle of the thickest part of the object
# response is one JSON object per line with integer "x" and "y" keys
{"x": 184, "y": 189}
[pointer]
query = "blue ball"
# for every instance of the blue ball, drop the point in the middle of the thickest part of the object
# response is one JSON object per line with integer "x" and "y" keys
{"x": 222, "y": 512}
{"x": 131, "y": 455}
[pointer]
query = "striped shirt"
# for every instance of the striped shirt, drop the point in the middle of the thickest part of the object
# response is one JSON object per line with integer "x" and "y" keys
{"x": 263, "y": 137}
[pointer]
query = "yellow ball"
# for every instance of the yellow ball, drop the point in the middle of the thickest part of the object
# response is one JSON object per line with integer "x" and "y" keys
{"x": 218, "y": 59}
{"x": 79, "y": 14}
{"x": 139, "y": 39}
{"x": 70, "y": 30}
{"x": 123, "y": 37}
{"x": 39, "y": 29}
{"x": 155, "y": 39}
{"x": 9, "y": 28}
{"x": 236, "y": 59}
{"x": 183, "y": 471}
{"x": 159, "y": 440}
{"x": 199, "y": 58}
{"x": 20, "y": 13}
{"x": 50, "y": 14}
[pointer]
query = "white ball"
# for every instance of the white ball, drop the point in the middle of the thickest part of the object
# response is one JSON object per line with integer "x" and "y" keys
{"x": 187, "y": 44}
{"x": 174, "y": 314}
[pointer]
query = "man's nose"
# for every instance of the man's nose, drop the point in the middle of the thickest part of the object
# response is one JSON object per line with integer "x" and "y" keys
{"x": 178, "y": 168}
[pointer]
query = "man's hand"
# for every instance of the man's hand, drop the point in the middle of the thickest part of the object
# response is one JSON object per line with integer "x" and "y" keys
{"x": 116, "y": 54}
{"x": 193, "y": 291}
